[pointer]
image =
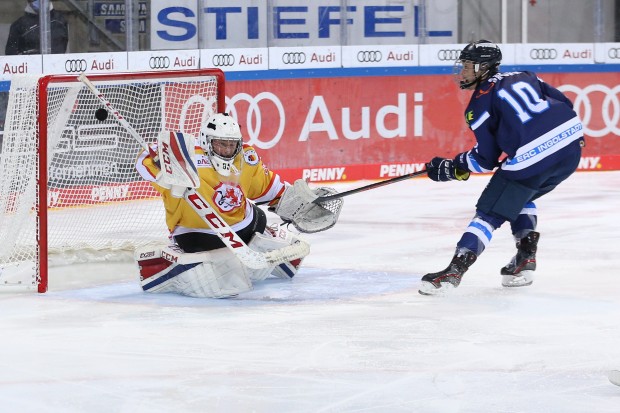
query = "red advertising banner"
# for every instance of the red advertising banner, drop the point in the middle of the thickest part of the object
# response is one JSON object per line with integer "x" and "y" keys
{"x": 350, "y": 128}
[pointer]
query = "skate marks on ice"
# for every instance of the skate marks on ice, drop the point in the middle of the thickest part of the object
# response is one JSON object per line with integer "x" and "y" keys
{"x": 309, "y": 285}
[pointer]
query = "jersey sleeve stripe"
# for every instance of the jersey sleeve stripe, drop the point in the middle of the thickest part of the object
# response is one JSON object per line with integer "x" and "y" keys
{"x": 480, "y": 121}
{"x": 273, "y": 190}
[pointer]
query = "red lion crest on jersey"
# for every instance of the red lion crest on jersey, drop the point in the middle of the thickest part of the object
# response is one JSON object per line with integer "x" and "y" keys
{"x": 227, "y": 197}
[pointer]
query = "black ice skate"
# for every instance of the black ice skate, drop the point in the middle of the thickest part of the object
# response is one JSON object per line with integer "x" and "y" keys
{"x": 519, "y": 272}
{"x": 450, "y": 278}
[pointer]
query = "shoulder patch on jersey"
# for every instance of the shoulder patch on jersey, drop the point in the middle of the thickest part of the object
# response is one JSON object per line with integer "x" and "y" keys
{"x": 469, "y": 116}
{"x": 251, "y": 157}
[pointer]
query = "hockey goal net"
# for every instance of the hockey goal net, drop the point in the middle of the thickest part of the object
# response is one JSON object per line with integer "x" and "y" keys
{"x": 69, "y": 190}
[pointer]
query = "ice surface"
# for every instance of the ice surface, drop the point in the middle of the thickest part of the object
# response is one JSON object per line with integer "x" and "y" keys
{"x": 349, "y": 333}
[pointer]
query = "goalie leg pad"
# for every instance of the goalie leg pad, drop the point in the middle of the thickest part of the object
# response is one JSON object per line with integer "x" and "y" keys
{"x": 156, "y": 274}
{"x": 274, "y": 238}
{"x": 221, "y": 276}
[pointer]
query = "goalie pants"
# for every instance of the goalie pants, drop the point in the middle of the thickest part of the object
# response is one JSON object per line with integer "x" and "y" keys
{"x": 199, "y": 241}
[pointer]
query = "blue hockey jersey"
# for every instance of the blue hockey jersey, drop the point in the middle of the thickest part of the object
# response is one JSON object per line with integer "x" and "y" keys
{"x": 519, "y": 115}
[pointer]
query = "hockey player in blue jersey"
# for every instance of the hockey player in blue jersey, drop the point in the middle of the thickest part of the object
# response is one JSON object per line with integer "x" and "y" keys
{"x": 526, "y": 129}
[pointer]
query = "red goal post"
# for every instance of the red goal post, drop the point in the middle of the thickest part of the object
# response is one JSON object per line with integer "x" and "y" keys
{"x": 69, "y": 191}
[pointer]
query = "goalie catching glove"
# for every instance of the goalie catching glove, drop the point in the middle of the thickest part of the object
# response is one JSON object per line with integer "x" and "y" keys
{"x": 297, "y": 206}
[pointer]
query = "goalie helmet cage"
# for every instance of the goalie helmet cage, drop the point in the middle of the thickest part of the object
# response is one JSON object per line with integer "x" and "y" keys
{"x": 68, "y": 184}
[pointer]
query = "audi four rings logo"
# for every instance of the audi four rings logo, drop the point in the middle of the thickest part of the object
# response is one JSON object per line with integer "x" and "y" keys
{"x": 75, "y": 65}
{"x": 613, "y": 53}
{"x": 365, "y": 56}
{"x": 584, "y": 104}
{"x": 254, "y": 120}
{"x": 223, "y": 60}
{"x": 294, "y": 58}
{"x": 448, "y": 54}
{"x": 543, "y": 54}
{"x": 159, "y": 62}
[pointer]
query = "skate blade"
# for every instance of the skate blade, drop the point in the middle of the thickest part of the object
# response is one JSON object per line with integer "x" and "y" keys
{"x": 524, "y": 279}
{"x": 427, "y": 288}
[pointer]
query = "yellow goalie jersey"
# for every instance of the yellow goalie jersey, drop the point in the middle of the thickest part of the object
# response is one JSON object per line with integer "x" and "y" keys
{"x": 228, "y": 195}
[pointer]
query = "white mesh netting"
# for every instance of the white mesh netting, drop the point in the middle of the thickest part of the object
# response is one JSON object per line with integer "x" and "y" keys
{"x": 96, "y": 201}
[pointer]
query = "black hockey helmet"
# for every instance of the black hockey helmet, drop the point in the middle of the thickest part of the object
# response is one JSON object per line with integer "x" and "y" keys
{"x": 486, "y": 57}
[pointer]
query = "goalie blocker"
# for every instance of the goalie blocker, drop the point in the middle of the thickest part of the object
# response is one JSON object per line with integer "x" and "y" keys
{"x": 211, "y": 274}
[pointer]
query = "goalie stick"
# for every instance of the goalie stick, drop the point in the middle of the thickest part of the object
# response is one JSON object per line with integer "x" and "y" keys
{"x": 327, "y": 198}
{"x": 249, "y": 257}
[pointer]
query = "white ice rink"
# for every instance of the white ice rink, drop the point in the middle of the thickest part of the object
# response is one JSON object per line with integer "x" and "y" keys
{"x": 349, "y": 333}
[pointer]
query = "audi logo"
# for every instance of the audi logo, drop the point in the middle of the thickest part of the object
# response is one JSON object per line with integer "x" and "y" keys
{"x": 254, "y": 118}
{"x": 614, "y": 53}
{"x": 448, "y": 54}
{"x": 159, "y": 62}
{"x": 365, "y": 56}
{"x": 75, "y": 65}
{"x": 294, "y": 58}
{"x": 543, "y": 54}
{"x": 223, "y": 60}
{"x": 586, "y": 103}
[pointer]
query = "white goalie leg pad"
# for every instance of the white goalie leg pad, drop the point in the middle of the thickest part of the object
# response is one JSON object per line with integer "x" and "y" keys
{"x": 274, "y": 238}
{"x": 212, "y": 274}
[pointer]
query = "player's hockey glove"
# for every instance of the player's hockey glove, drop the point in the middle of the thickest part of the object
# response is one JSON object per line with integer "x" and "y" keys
{"x": 442, "y": 170}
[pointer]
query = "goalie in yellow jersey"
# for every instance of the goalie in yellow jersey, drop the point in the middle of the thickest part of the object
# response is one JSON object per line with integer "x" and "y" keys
{"x": 231, "y": 178}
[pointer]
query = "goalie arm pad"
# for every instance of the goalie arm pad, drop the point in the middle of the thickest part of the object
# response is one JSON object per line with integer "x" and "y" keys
{"x": 297, "y": 206}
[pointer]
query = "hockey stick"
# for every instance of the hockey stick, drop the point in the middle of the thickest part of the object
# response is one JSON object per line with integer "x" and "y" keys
{"x": 327, "y": 198}
{"x": 249, "y": 257}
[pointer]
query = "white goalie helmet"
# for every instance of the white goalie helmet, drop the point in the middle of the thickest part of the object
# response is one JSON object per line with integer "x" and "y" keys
{"x": 220, "y": 138}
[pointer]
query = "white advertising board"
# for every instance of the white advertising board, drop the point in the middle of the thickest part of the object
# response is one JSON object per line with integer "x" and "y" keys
{"x": 159, "y": 60}
{"x": 19, "y": 65}
{"x": 380, "y": 56}
{"x": 305, "y": 57}
{"x": 71, "y": 63}
{"x": 235, "y": 59}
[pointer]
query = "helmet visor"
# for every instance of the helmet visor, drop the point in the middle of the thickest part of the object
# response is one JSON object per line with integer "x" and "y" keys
{"x": 226, "y": 149}
{"x": 465, "y": 73}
